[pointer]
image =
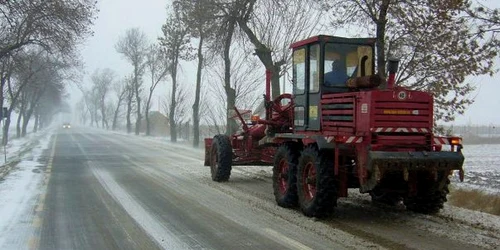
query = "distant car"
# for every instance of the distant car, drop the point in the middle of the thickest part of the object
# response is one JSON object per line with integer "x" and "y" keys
{"x": 66, "y": 125}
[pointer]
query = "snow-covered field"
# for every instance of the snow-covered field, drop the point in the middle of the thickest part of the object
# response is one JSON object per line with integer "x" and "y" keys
{"x": 482, "y": 168}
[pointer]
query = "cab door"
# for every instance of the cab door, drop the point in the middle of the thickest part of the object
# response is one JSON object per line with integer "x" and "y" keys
{"x": 299, "y": 88}
{"x": 306, "y": 79}
{"x": 314, "y": 94}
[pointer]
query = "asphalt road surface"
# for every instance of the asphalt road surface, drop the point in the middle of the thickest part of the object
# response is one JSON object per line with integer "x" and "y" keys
{"x": 111, "y": 191}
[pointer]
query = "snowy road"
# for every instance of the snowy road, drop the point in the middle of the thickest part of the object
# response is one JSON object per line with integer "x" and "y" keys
{"x": 99, "y": 190}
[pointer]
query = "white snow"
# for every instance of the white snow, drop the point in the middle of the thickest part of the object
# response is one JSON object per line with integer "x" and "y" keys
{"x": 19, "y": 192}
{"x": 482, "y": 168}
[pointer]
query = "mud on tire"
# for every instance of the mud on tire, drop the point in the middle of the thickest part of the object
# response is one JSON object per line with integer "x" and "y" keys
{"x": 221, "y": 157}
{"x": 316, "y": 185}
{"x": 431, "y": 194}
{"x": 285, "y": 175}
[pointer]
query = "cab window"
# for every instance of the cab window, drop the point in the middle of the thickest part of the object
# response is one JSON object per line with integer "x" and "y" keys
{"x": 343, "y": 61}
{"x": 314, "y": 68}
{"x": 299, "y": 71}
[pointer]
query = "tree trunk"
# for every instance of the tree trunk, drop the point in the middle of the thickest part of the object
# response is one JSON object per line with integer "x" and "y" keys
{"x": 5, "y": 139}
{"x": 148, "y": 103}
{"x": 103, "y": 114}
{"x": 18, "y": 126}
{"x": 18, "y": 123}
{"x": 265, "y": 56}
{"x": 138, "y": 100}
{"x": 129, "y": 110}
{"x": 173, "y": 103}
{"x": 230, "y": 92}
{"x": 41, "y": 122}
{"x": 35, "y": 126}
{"x": 24, "y": 128}
{"x": 381, "y": 27}
{"x": 26, "y": 120}
{"x": 196, "y": 105}
{"x": 115, "y": 115}
{"x": 275, "y": 81}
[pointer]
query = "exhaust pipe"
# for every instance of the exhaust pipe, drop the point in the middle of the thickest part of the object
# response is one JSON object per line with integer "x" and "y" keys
{"x": 392, "y": 67}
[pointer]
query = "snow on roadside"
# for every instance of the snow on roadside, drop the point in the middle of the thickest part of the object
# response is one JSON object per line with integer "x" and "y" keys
{"x": 16, "y": 145}
{"x": 19, "y": 191}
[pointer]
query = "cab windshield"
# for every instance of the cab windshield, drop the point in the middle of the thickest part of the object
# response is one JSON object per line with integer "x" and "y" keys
{"x": 343, "y": 61}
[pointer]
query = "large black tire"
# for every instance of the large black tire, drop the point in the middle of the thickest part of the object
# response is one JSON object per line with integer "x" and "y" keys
{"x": 221, "y": 158}
{"x": 285, "y": 175}
{"x": 431, "y": 194}
{"x": 316, "y": 185}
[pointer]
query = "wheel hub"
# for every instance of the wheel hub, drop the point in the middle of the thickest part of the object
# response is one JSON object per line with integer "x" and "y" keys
{"x": 309, "y": 185}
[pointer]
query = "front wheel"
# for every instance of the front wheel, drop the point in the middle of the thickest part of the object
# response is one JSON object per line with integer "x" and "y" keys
{"x": 285, "y": 175}
{"x": 221, "y": 158}
{"x": 316, "y": 183}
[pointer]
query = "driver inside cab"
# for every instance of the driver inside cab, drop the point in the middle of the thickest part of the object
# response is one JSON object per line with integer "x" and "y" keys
{"x": 337, "y": 77}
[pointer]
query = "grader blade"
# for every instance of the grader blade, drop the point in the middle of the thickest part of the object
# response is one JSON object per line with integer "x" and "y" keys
{"x": 416, "y": 160}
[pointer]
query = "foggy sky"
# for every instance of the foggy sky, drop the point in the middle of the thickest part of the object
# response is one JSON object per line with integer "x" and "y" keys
{"x": 116, "y": 16}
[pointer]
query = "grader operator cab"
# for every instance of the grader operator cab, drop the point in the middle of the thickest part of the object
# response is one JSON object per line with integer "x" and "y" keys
{"x": 339, "y": 130}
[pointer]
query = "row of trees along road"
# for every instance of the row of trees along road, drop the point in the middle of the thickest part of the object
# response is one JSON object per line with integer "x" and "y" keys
{"x": 440, "y": 45}
{"x": 38, "y": 41}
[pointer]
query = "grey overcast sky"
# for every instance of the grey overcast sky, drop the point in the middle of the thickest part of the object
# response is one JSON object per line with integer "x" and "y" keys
{"x": 116, "y": 16}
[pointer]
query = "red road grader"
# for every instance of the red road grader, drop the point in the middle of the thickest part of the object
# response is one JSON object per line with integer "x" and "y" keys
{"x": 339, "y": 130}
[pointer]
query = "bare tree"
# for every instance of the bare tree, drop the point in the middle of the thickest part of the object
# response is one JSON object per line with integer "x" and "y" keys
{"x": 199, "y": 16}
{"x": 245, "y": 80}
{"x": 129, "y": 87}
{"x": 102, "y": 80}
{"x": 120, "y": 89}
{"x": 434, "y": 39}
{"x": 181, "y": 108}
{"x": 157, "y": 67}
{"x": 46, "y": 103}
{"x": 82, "y": 110}
{"x": 18, "y": 74}
{"x": 53, "y": 25}
{"x": 133, "y": 46}
{"x": 486, "y": 22}
{"x": 271, "y": 26}
{"x": 225, "y": 30}
{"x": 175, "y": 40}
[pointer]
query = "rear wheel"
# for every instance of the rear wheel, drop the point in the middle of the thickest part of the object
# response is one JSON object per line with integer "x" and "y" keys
{"x": 316, "y": 185}
{"x": 431, "y": 193}
{"x": 285, "y": 175}
{"x": 221, "y": 157}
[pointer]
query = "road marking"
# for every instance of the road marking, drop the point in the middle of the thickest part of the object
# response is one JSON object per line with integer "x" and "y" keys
{"x": 34, "y": 241}
{"x": 285, "y": 240}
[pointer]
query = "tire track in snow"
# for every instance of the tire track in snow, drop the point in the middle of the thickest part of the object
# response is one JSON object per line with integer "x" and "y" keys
{"x": 160, "y": 234}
